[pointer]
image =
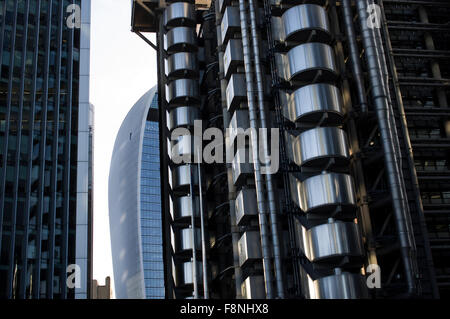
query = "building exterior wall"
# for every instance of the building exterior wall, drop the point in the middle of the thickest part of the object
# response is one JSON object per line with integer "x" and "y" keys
{"x": 134, "y": 205}
{"x": 42, "y": 59}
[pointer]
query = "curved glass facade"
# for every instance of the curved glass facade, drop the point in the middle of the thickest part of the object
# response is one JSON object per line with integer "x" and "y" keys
{"x": 135, "y": 204}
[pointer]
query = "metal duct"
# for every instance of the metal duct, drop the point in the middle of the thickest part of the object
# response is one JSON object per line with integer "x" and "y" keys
{"x": 182, "y": 207}
{"x": 303, "y": 62}
{"x": 242, "y": 166}
{"x": 253, "y": 288}
{"x": 342, "y": 285}
{"x": 179, "y": 14}
{"x": 233, "y": 57}
{"x": 301, "y": 22}
{"x": 182, "y": 240}
{"x": 262, "y": 209}
{"x": 381, "y": 107}
{"x": 317, "y": 146}
{"x": 180, "y": 39}
{"x": 184, "y": 273}
{"x": 326, "y": 194}
{"x": 335, "y": 242}
{"x": 181, "y": 177}
{"x": 311, "y": 103}
{"x": 249, "y": 247}
{"x": 181, "y": 91}
{"x": 268, "y": 177}
{"x": 236, "y": 93}
{"x": 354, "y": 55}
{"x": 246, "y": 207}
{"x": 183, "y": 116}
{"x": 182, "y": 64}
{"x": 230, "y": 23}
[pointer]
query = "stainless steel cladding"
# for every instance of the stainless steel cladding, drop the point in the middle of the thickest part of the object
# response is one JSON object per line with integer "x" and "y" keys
{"x": 249, "y": 247}
{"x": 182, "y": 90}
{"x": 246, "y": 206}
{"x": 309, "y": 103}
{"x": 184, "y": 239}
{"x": 239, "y": 124}
{"x": 181, "y": 176}
{"x": 253, "y": 288}
{"x": 183, "y": 116}
{"x": 184, "y": 147}
{"x": 179, "y": 14}
{"x": 242, "y": 166}
{"x": 299, "y": 21}
{"x": 302, "y": 62}
{"x": 182, "y": 64}
{"x": 315, "y": 147}
{"x": 180, "y": 39}
{"x": 321, "y": 194}
{"x": 333, "y": 241}
{"x": 343, "y": 285}
{"x": 230, "y": 23}
{"x": 236, "y": 91}
{"x": 184, "y": 273}
{"x": 182, "y": 207}
{"x": 233, "y": 56}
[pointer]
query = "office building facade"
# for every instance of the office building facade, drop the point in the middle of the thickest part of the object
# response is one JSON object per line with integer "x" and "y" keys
{"x": 358, "y": 94}
{"x": 45, "y": 149}
{"x": 135, "y": 204}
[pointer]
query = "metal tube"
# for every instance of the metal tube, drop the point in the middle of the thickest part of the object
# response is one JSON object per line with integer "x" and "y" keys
{"x": 235, "y": 234}
{"x": 381, "y": 107}
{"x": 202, "y": 225}
{"x": 354, "y": 56}
{"x": 194, "y": 252}
{"x": 254, "y": 140}
{"x": 269, "y": 180}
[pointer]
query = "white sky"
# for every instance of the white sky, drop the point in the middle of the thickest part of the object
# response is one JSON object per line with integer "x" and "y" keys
{"x": 123, "y": 68}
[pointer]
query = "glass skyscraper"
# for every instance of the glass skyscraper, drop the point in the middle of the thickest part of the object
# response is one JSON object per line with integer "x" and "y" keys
{"x": 45, "y": 149}
{"x": 135, "y": 204}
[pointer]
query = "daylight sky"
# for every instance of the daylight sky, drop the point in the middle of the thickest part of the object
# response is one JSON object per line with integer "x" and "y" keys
{"x": 123, "y": 68}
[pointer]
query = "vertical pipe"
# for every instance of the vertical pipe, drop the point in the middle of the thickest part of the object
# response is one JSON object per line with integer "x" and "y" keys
{"x": 269, "y": 180}
{"x": 354, "y": 56}
{"x": 231, "y": 188}
{"x": 202, "y": 225}
{"x": 381, "y": 105}
{"x": 254, "y": 141}
{"x": 194, "y": 252}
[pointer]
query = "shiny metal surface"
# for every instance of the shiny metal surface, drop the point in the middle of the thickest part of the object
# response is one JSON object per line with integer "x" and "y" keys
{"x": 238, "y": 125}
{"x": 184, "y": 273}
{"x": 249, "y": 247}
{"x": 246, "y": 206}
{"x": 253, "y": 288}
{"x": 332, "y": 240}
{"x": 303, "y": 62}
{"x": 321, "y": 194}
{"x": 180, "y": 39}
{"x": 182, "y": 64}
{"x": 179, "y": 14}
{"x": 184, "y": 239}
{"x": 181, "y": 176}
{"x": 341, "y": 286}
{"x": 182, "y": 90}
{"x": 183, "y": 116}
{"x": 236, "y": 91}
{"x": 315, "y": 147}
{"x": 183, "y": 146}
{"x": 233, "y": 56}
{"x": 242, "y": 166}
{"x": 230, "y": 23}
{"x": 299, "y": 21}
{"x": 308, "y": 104}
{"x": 182, "y": 207}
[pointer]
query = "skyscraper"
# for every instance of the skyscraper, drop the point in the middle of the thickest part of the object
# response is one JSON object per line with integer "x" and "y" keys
{"x": 45, "y": 149}
{"x": 357, "y": 92}
{"x": 135, "y": 204}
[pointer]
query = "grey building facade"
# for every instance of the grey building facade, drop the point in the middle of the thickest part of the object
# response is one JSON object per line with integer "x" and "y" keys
{"x": 46, "y": 138}
{"x": 135, "y": 204}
